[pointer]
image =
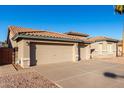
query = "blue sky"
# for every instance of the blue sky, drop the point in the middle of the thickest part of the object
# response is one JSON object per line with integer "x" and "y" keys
{"x": 93, "y": 20}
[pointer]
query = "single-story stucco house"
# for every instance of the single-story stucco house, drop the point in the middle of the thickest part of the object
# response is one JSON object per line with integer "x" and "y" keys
{"x": 36, "y": 47}
{"x": 103, "y": 47}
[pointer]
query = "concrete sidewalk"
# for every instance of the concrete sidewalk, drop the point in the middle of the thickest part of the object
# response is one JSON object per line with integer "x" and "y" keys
{"x": 89, "y": 74}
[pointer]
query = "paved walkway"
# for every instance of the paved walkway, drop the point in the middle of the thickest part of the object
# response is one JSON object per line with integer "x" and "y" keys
{"x": 89, "y": 74}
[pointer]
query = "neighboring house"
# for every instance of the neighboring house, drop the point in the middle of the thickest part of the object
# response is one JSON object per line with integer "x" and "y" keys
{"x": 103, "y": 47}
{"x": 36, "y": 47}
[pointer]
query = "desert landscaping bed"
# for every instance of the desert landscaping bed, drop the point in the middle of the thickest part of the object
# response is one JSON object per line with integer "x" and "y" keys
{"x": 25, "y": 80}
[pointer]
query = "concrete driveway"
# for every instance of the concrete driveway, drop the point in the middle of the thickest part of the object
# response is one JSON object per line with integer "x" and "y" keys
{"x": 84, "y": 74}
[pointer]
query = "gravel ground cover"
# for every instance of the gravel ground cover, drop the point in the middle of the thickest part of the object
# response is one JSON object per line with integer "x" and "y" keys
{"x": 25, "y": 80}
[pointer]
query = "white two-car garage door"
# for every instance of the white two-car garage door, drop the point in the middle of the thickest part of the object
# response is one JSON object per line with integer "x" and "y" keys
{"x": 51, "y": 53}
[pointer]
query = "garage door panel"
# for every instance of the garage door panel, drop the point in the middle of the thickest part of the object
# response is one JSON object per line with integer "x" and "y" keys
{"x": 52, "y": 53}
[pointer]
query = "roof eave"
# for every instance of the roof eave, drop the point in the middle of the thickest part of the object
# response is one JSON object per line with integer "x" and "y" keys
{"x": 46, "y": 38}
{"x": 106, "y": 40}
{"x": 87, "y": 42}
{"x": 112, "y": 40}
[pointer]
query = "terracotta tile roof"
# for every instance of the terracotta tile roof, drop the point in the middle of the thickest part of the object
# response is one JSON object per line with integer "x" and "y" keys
{"x": 16, "y": 30}
{"x": 27, "y": 31}
{"x": 77, "y": 34}
{"x": 101, "y": 38}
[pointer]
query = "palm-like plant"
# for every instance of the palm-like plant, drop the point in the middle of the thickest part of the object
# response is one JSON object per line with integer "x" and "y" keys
{"x": 119, "y": 9}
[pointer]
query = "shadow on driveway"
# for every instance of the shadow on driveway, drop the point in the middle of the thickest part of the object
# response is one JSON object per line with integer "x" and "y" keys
{"x": 112, "y": 75}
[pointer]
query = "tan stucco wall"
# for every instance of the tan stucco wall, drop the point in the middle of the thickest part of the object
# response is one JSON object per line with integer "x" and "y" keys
{"x": 12, "y": 44}
{"x": 119, "y": 51}
{"x": 75, "y": 52}
{"x": 84, "y": 52}
{"x": 123, "y": 46}
{"x": 23, "y": 53}
{"x": 87, "y": 52}
{"x": 102, "y": 49}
